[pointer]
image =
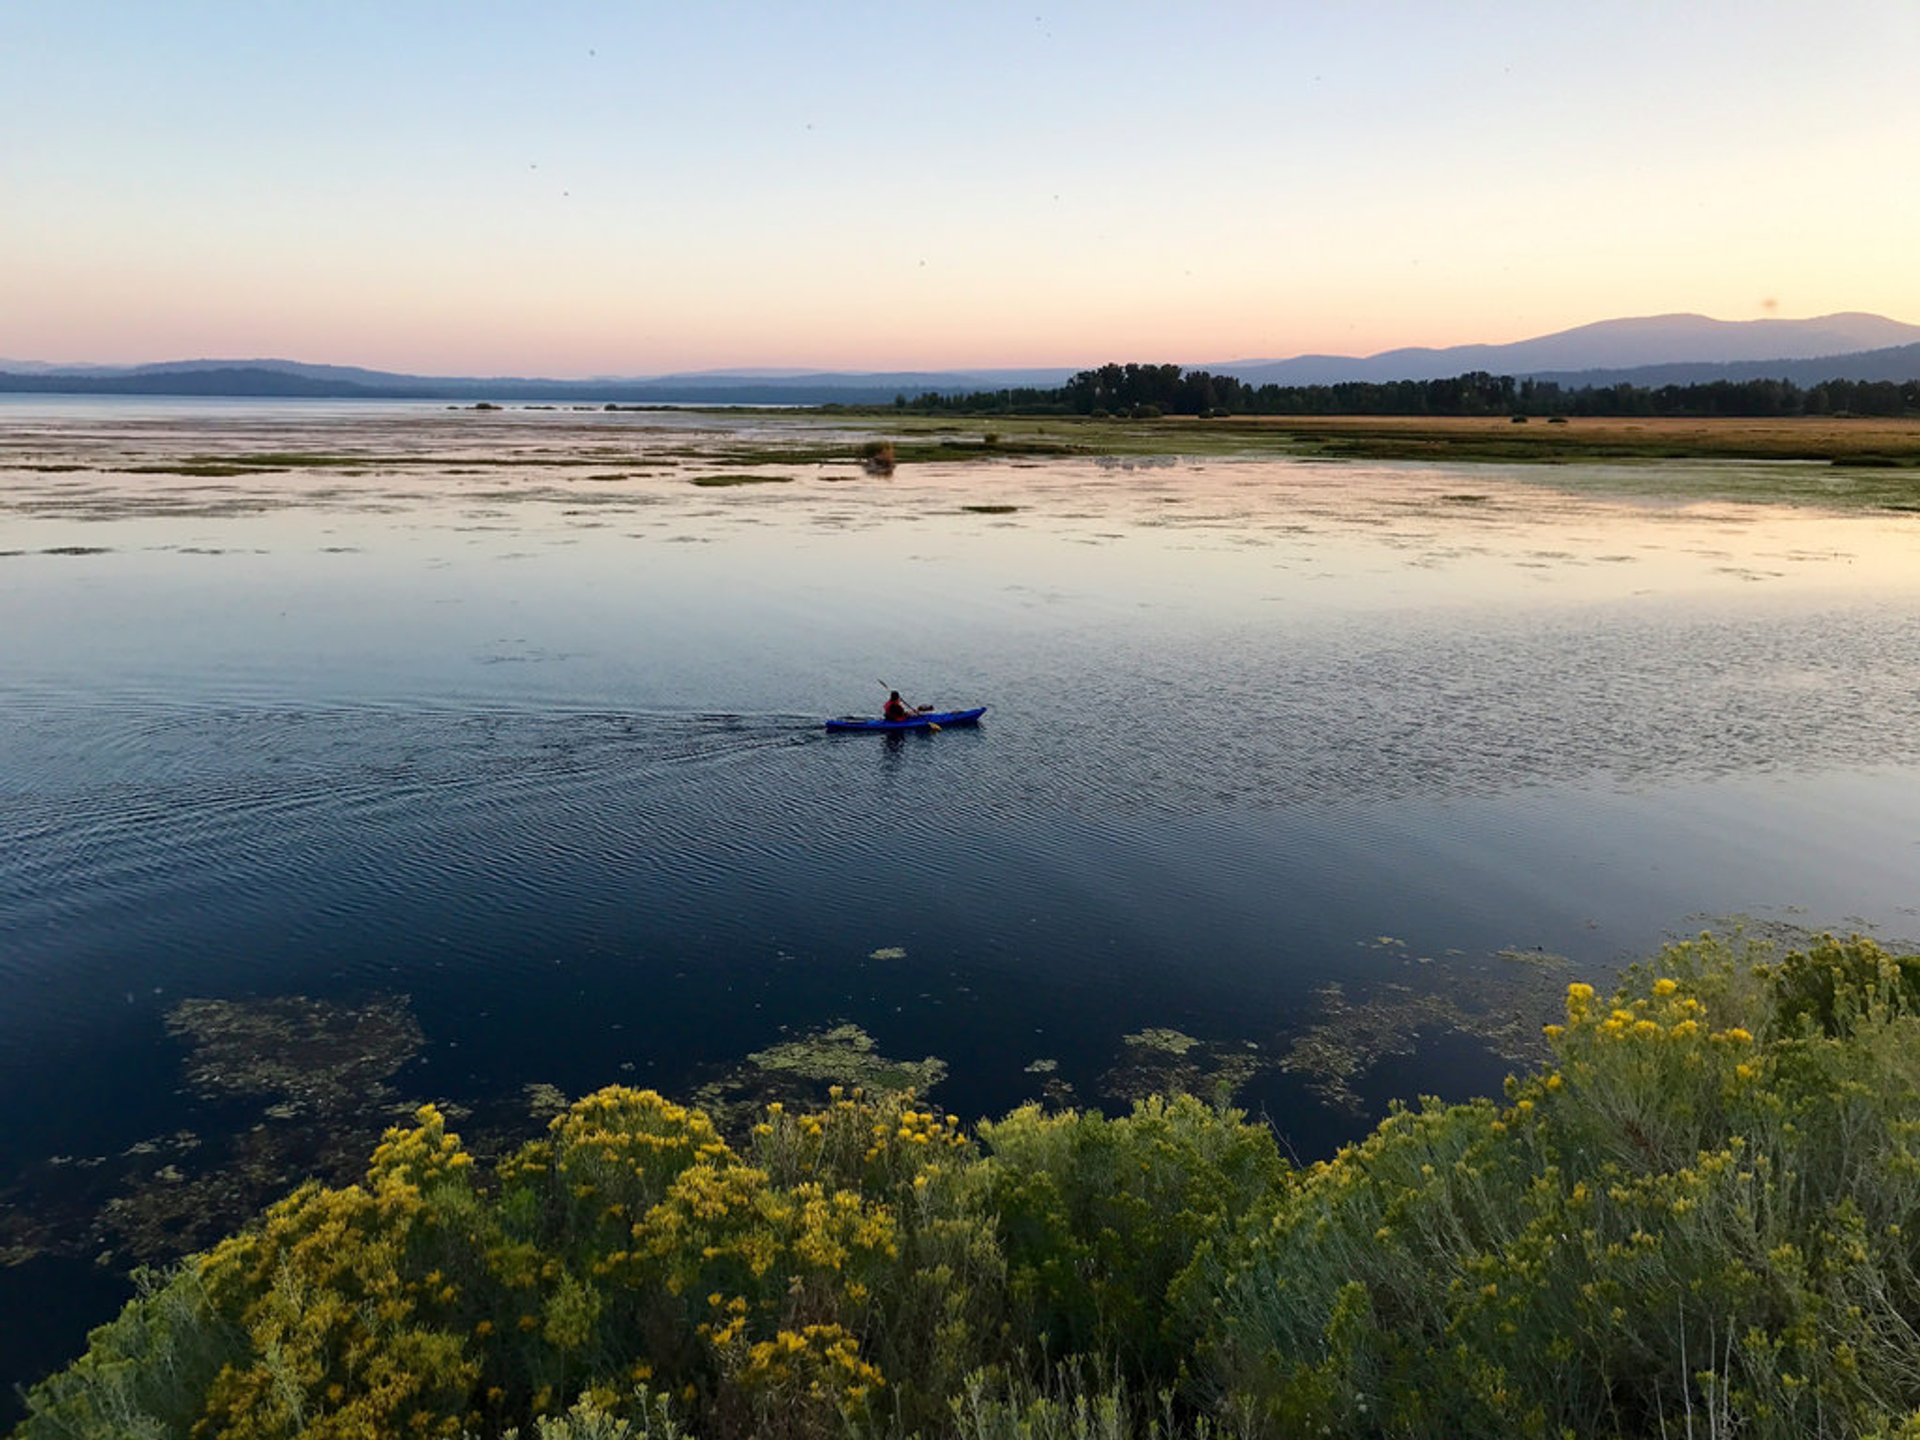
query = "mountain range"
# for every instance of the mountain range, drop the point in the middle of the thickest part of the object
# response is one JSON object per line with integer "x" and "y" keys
{"x": 1649, "y": 350}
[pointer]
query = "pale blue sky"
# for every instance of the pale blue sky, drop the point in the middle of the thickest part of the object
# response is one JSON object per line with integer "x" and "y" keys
{"x": 622, "y": 187}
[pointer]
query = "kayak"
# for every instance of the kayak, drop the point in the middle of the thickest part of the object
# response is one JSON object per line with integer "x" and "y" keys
{"x": 912, "y": 722}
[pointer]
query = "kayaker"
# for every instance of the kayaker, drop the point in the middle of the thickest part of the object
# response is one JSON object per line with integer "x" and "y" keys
{"x": 897, "y": 709}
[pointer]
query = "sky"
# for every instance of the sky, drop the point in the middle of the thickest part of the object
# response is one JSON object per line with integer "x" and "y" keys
{"x": 577, "y": 189}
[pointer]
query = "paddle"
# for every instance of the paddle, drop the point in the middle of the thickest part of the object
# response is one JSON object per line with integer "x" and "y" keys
{"x": 889, "y": 689}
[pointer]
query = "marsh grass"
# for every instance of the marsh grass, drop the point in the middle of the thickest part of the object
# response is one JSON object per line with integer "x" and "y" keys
{"x": 1624, "y": 444}
{"x": 204, "y": 468}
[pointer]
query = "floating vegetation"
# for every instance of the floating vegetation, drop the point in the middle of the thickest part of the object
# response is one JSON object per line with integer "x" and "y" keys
{"x": 315, "y": 1075}
{"x": 990, "y": 509}
{"x": 1042, "y": 1067}
{"x": 714, "y": 482}
{"x": 76, "y": 550}
{"x": 846, "y": 1054}
{"x": 800, "y": 1070}
{"x": 888, "y": 952}
{"x": 1351, "y": 1037}
{"x": 314, "y": 1053}
{"x": 544, "y": 1101}
{"x": 1162, "y": 1061}
{"x": 1167, "y": 1042}
{"x": 1501, "y": 1010}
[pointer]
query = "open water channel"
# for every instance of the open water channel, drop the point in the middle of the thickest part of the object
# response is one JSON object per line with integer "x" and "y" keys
{"x": 483, "y": 764}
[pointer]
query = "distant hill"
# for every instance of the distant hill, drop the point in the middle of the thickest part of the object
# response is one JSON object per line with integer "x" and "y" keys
{"x": 1607, "y": 345}
{"x": 293, "y": 379}
{"x": 1898, "y": 363}
{"x": 1650, "y": 350}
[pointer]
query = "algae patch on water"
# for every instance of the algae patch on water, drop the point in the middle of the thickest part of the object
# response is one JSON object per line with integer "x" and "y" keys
{"x": 801, "y": 1069}
{"x": 1164, "y": 1061}
{"x": 1501, "y": 1009}
{"x": 1164, "y": 1040}
{"x": 544, "y": 1101}
{"x": 310, "y": 1053}
{"x": 292, "y": 1087}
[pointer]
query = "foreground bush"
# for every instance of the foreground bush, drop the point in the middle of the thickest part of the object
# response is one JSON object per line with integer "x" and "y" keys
{"x": 1703, "y": 1219}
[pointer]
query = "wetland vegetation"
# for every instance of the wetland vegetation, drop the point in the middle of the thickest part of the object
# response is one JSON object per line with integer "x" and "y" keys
{"x": 1700, "y": 1213}
{"x": 1852, "y": 461}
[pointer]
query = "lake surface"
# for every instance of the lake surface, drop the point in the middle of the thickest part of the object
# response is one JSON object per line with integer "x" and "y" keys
{"x": 497, "y": 743}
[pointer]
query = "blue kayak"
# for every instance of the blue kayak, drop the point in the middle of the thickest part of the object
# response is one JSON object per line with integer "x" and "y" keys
{"x": 912, "y": 722}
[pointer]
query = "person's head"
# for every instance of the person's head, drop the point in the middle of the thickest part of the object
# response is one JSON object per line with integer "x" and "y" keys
{"x": 893, "y": 694}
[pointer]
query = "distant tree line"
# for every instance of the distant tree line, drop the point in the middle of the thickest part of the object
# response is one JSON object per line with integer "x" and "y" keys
{"x": 1143, "y": 391}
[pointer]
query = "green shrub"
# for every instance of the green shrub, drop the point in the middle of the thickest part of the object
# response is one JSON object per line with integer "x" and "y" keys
{"x": 1682, "y": 1224}
{"x": 1100, "y": 1217}
{"x": 1835, "y": 985}
{"x": 145, "y": 1374}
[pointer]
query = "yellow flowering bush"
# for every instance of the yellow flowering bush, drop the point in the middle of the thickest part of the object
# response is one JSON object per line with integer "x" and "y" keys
{"x": 1702, "y": 1217}
{"x": 350, "y": 1330}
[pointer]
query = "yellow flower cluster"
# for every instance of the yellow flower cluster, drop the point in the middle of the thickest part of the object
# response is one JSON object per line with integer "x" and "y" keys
{"x": 338, "y": 1318}
{"x": 621, "y": 1148}
{"x": 724, "y": 1333}
{"x": 1666, "y": 1013}
{"x": 911, "y": 1128}
{"x": 421, "y": 1157}
{"x": 819, "y": 1362}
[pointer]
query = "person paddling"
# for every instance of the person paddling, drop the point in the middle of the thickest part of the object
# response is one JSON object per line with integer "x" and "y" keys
{"x": 898, "y": 709}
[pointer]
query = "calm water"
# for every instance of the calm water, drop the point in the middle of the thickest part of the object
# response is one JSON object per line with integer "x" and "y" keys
{"x": 535, "y": 746}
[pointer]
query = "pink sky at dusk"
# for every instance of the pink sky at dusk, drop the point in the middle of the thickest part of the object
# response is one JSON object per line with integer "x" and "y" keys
{"x": 620, "y": 190}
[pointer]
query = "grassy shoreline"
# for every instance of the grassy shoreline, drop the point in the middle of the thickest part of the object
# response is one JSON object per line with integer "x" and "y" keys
{"x": 1868, "y": 440}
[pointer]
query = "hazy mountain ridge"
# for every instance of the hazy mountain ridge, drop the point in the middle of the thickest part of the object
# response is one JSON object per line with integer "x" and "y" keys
{"x": 1605, "y": 345}
{"x": 1649, "y": 351}
{"x": 1896, "y": 363}
{"x": 296, "y": 379}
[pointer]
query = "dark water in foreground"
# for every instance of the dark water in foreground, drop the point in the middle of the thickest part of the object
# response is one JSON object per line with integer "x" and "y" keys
{"x": 531, "y": 759}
